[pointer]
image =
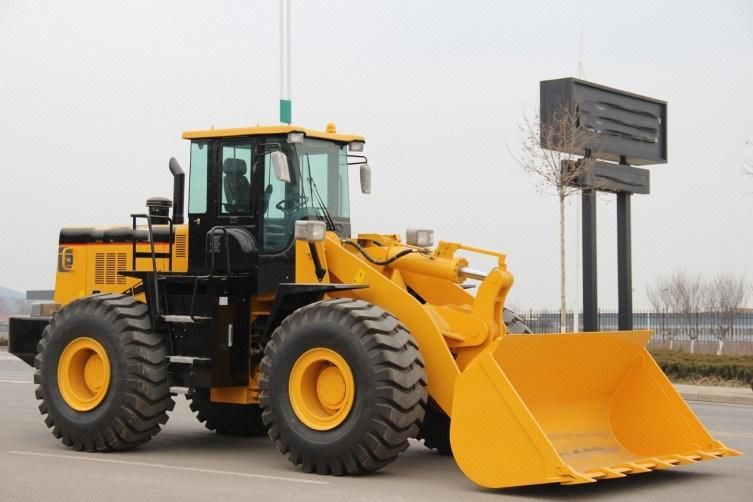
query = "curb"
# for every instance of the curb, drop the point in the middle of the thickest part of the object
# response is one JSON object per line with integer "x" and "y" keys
{"x": 717, "y": 398}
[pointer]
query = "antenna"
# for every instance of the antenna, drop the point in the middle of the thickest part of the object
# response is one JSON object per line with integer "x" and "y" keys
{"x": 286, "y": 105}
{"x": 576, "y": 309}
{"x": 581, "y": 72}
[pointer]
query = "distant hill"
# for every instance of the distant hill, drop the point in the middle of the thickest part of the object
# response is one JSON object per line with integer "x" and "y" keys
{"x": 11, "y": 293}
{"x": 11, "y": 302}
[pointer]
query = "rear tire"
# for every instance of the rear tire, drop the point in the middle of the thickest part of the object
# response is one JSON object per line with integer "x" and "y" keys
{"x": 515, "y": 324}
{"x": 102, "y": 374}
{"x": 367, "y": 372}
{"x": 435, "y": 430}
{"x": 225, "y": 418}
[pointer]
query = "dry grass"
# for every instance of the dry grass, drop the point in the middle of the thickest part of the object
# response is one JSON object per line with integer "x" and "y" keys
{"x": 706, "y": 369}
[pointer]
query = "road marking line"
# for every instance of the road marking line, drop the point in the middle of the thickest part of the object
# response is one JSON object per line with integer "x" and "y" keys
{"x": 87, "y": 458}
{"x": 16, "y": 381}
{"x": 733, "y": 435}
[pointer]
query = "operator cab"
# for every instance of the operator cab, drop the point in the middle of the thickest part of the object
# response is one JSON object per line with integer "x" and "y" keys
{"x": 237, "y": 182}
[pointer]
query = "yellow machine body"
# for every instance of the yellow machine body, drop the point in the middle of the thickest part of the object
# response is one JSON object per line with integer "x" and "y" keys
{"x": 524, "y": 409}
{"x": 86, "y": 268}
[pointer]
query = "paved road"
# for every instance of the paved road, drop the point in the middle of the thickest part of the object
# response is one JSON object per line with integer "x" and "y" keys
{"x": 185, "y": 463}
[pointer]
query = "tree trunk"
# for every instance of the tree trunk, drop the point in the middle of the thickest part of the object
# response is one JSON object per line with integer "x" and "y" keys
{"x": 563, "y": 299}
{"x": 720, "y": 349}
{"x": 692, "y": 345}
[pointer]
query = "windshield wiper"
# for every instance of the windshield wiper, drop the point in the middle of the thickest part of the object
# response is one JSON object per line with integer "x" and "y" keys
{"x": 314, "y": 191}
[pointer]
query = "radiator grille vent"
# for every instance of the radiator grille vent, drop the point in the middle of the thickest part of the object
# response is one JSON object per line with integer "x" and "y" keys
{"x": 180, "y": 246}
{"x": 107, "y": 266}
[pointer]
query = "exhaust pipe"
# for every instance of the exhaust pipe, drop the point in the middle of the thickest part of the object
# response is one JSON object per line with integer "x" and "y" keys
{"x": 179, "y": 182}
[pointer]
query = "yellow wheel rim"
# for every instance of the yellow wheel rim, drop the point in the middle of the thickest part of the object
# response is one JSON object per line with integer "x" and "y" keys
{"x": 321, "y": 389}
{"x": 84, "y": 374}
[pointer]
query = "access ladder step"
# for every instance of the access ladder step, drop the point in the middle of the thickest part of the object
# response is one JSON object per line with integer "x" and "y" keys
{"x": 185, "y": 319}
{"x": 188, "y": 359}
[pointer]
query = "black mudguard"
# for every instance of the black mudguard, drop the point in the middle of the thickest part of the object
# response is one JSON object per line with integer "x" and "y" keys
{"x": 24, "y": 333}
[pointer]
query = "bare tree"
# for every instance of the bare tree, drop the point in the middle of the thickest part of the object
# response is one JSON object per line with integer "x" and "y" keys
{"x": 682, "y": 295}
{"x": 727, "y": 293}
{"x": 660, "y": 296}
{"x": 687, "y": 293}
{"x": 546, "y": 167}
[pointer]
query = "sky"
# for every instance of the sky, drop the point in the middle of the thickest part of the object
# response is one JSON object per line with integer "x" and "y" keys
{"x": 94, "y": 97}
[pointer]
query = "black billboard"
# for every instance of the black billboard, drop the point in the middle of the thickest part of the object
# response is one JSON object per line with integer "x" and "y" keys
{"x": 611, "y": 124}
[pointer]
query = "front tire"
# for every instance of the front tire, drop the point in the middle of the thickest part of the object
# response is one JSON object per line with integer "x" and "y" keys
{"x": 102, "y": 374}
{"x": 342, "y": 387}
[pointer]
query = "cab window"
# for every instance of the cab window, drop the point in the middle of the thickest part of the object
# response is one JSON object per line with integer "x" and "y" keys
{"x": 197, "y": 186}
{"x": 235, "y": 189}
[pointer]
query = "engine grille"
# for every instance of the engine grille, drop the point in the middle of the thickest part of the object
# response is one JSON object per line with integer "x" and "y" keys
{"x": 107, "y": 266}
{"x": 180, "y": 246}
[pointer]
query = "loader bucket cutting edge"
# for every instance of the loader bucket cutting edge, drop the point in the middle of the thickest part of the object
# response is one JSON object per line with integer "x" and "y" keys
{"x": 571, "y": 408}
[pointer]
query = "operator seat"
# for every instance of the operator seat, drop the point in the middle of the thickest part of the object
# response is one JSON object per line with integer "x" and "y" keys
{"x": 236, "y": 186}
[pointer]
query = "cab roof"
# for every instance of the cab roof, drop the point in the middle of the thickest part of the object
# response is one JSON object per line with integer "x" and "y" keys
{"x": 329, "y": 134}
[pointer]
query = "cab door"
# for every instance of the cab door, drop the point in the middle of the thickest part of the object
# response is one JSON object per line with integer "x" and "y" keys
{"x": 220, "y": 193}
{"x": 280, "y": 204}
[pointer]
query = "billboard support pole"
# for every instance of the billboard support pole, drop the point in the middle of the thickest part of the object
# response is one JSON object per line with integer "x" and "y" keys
{"x": 590, "y": 292}
{"x": 624, "y": 264}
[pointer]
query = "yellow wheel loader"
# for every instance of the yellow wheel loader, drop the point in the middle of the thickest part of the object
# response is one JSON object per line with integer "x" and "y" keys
{"x": 271, "y": 318}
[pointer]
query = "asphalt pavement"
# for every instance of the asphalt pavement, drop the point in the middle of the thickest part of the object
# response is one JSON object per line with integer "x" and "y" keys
{"x": 185, "y": 462}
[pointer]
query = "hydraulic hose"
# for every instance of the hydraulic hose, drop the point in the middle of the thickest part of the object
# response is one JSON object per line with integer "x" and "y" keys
{"x": 378, "y": 262}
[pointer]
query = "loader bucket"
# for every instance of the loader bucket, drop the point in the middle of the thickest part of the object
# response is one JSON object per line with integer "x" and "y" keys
{"x": 571, "y": 408}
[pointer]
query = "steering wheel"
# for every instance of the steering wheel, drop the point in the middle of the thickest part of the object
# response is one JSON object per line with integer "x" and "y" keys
{"x": 292, "y": 203}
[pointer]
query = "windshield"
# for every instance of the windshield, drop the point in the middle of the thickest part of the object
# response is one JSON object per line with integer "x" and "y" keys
{"x": 324, "y": 176}
{"x": 318, "y": 189}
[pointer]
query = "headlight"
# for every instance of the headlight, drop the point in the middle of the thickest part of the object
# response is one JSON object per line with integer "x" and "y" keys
{"x": 422, "y": 238}
{"x": 310, "y": 231}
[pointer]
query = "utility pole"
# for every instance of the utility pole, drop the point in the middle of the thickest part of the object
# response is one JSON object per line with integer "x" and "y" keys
{"x": 578, "y": 250}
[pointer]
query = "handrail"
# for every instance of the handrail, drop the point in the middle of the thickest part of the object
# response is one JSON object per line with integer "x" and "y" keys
{"x": 155, "y": 307}
{"x": 213, "y": 265}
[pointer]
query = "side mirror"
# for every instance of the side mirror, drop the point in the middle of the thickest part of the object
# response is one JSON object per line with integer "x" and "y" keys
{"x": 365, "y": 178}
{"x": 280, "y": 166}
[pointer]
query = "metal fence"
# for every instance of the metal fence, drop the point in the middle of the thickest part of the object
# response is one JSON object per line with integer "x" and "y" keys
{"x": 668, "y": 326}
